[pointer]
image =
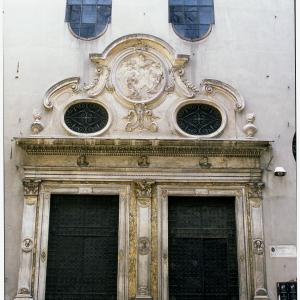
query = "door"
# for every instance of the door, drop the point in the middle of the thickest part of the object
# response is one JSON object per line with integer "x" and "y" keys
{"x": 83, "y": 248}
{"x": 202, "y": 249}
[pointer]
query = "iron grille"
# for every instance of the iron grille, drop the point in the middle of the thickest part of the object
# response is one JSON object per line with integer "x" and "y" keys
{"x": 82, "y": 248}
{"x": 287, "y": 290}
{"x": 202, "y": 249}
{"x": 199, "y": 119}
{"x": 86, "y": 117}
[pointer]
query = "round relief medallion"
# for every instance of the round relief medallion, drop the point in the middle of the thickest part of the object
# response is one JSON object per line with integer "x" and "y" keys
{"x": 199, "y": 119}
{"x": 86, "y": 117}
{"x": 139, "y": 77}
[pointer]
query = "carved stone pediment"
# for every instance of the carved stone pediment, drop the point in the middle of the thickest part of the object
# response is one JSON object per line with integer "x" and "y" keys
{"x": 140, "y": 81}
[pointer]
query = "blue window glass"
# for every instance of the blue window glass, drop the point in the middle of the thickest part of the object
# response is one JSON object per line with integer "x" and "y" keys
{"x": 191, "y": 19}
{"x": 88, "y": 18}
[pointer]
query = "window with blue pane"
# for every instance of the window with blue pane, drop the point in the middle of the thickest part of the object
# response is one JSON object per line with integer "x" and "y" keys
{"x": 88, "y": 18}
{"x": 191, "y": 19}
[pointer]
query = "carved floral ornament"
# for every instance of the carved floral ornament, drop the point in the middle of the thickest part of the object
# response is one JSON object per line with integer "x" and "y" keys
{"x": 139, "y": 71}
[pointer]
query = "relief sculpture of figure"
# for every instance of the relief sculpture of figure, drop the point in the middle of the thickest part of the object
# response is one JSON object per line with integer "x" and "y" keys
{"x": 140, "y": 77}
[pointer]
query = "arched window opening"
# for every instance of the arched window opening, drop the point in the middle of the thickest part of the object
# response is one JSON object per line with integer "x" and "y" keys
{"x": 191, "y": 19}
{"x": 88, "y": 18}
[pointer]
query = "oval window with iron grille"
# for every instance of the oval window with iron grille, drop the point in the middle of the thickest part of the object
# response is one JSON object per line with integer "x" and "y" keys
{"x": 86, "y": 117}
{"x": 199, "y": 119}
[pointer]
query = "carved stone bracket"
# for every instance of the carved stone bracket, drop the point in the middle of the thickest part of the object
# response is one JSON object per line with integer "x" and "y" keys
{"x": 141, "y": 118}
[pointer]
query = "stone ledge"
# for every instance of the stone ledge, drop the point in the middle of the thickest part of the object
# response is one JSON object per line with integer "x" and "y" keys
{"x": 137, "y": 147}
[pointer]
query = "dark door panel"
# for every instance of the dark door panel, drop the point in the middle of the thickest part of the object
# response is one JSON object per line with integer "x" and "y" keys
{"x": 82, "y": 248}
{"x": 202, "y": 249}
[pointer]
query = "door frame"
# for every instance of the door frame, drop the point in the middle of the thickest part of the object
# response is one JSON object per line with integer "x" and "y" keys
{"x": 40, "y": 263}
{"x": 242, "y": 232}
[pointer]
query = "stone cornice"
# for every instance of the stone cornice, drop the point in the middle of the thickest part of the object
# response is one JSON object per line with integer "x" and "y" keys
{"x": 138, "y": 147}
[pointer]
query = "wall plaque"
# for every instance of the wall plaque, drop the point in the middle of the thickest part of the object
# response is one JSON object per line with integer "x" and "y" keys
{"x": 283, "y": 251}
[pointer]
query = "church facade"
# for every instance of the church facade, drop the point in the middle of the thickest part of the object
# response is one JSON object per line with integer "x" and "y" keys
{"x": 149, "y": 150}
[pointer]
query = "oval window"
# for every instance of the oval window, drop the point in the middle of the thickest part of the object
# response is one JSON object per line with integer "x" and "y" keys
{"x": 86, "y": 117}
{"x": 199, "y": 119}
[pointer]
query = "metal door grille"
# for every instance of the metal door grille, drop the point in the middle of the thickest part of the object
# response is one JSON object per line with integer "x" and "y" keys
{"x": 202, "y": 249}
{"x": 82, "y": 248}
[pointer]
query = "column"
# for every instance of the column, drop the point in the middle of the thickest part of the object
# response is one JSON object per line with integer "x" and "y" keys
{"x": 31, "y": 190}
{"x": 143, "y": 191}
{"x": 257, "y": 243}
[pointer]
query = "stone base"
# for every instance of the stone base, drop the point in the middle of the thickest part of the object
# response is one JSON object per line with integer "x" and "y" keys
{"x": 259, "y": 297}
{"x": 143, "y": 297}
{"x": 23, "y": 297}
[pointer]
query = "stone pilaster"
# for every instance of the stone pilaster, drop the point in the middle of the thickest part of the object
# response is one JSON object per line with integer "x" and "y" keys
{"x": 144, "y": 196}
{"x": 257, "y": 243}
{"x": 31, "y": 190}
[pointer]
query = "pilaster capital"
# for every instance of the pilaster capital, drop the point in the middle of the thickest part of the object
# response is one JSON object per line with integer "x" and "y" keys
{"x": 144, "y": 188}
{"x": 255, "y": 189}
{"x": 31, "y": 187}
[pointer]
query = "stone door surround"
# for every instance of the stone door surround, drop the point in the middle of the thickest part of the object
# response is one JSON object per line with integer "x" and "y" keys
{"x": 143, "y": 173}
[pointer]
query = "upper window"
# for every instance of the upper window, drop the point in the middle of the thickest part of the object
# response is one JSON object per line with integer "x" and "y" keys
{"x": 191, "y": 19}
{"x": 88, "y": 18}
